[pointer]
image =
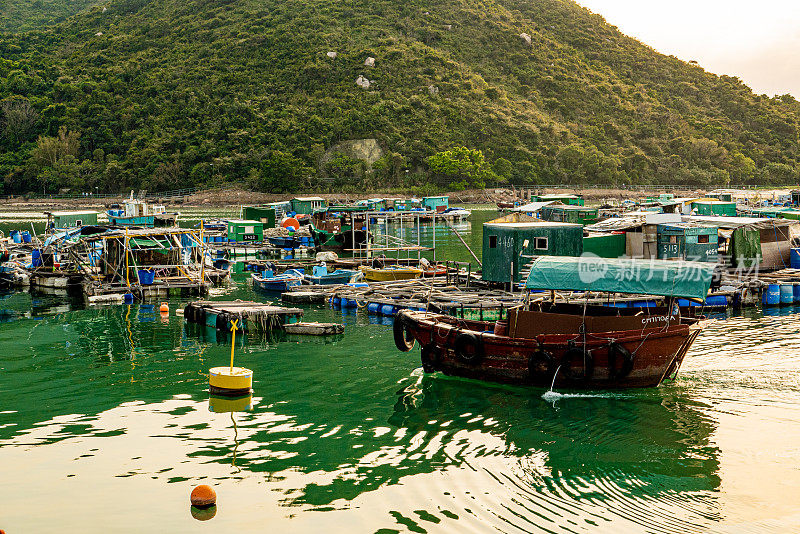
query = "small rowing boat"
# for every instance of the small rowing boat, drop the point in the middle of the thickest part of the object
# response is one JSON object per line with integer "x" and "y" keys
{"x": 267, "y": 281}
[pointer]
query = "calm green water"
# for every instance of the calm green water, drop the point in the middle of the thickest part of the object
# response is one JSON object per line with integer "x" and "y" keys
{"x": 105, "y": 426}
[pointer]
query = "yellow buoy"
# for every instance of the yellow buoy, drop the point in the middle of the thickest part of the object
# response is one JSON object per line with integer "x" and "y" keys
{"x": 230, "y": 381}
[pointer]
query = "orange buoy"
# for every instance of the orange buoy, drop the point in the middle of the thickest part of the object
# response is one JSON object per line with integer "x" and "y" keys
{"x": 203, "y": 496}
{"x": 164, "y": 307}
{"x": 291, "y": 221}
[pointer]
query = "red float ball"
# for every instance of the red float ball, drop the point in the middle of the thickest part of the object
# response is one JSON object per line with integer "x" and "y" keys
{"x": 203, "y": 496}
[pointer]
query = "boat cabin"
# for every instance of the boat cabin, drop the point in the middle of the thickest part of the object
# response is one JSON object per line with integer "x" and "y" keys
{"x": 436, "y": 203}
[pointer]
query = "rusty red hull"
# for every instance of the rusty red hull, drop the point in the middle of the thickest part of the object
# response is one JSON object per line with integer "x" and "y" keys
{"x": 600, "y": 360}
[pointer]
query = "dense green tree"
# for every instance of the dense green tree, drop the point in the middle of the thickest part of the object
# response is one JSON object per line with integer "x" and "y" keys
{"x": 171, "y": 94}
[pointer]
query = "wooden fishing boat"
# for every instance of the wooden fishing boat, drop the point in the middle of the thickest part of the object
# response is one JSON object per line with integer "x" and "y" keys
{"x": 385, "y": 274}
{"x": 135, "y": 212}
{"x": 267, "y": 281}
{"x": 570, "y": 345}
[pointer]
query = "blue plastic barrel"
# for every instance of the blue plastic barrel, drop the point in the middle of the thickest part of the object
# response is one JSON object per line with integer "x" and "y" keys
{"x": 373, "y": 308}
{"x": 796, "y": 292}
{"x": 772, "y": 296}
{"x": 794, "y": 258}
{"x": 336, "y": 301}
{"x": 717, "y": 300}
{"x": 349, "y": 303}
{"x": 26, "y": 237}
{"x": 15, "y": 236}
{"x": 127, "y": 298}
{"x": 36, "y": 258}
{"x": 787, "y": 294}
{"x": 387, "y": 309}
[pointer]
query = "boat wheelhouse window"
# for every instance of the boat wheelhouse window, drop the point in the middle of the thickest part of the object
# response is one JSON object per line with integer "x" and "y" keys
{"x": 492, "y": 241}
{"x": 702, "y": 239}
{"x": 541, "y": 243}
{"x": 249, "y": 229}
{"x": 78, "y": 222}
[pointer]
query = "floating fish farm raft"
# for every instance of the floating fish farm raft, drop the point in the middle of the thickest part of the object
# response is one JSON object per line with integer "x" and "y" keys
{"x": 249, "y": 316}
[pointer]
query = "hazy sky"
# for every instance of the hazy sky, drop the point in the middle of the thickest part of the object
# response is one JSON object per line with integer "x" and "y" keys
{"x": 758, "y": 41}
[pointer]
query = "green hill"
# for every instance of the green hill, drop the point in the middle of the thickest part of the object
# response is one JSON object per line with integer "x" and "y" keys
{"x": 165, "y": 94}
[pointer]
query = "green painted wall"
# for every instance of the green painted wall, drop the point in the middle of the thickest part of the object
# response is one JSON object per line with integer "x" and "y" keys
{"x": 260, "y": 213}
{"x": 605, "y": 245}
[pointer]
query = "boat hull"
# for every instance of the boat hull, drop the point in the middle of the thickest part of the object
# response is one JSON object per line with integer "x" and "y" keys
{"x": 146, "y": 221}
{"x": 656, "y": 354}
{"x": 387, "y": 275}
{"x": 278, "y": 283}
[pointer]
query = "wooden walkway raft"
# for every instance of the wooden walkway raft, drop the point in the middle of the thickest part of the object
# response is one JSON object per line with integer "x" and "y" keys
{"x": 251, "y": 316}
{"x": 387, "y": 298}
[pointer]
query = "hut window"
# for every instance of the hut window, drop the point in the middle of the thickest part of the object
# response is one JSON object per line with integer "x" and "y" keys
{"x": 249, "y": 229}
{"x": 541, "y": 243}
{"x": 78, "y": 222}
{"x": 492, "y": 241}
{"x": 702, "y": 238}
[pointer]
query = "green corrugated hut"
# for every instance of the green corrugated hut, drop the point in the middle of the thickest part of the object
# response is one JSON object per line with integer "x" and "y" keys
{"x": 71, "y": 219}
{"x": 506, "y": 245}
{"x": 688, "y": 241}
{"x": 240, "y": 230}
{"x": 569, "y": 214}
{"x": 264, "y": 214}
{"x": 308, "y": 205}
{"x": 708, "y": 207}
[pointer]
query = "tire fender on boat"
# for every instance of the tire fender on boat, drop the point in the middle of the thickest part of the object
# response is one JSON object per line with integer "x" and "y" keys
{"x": 617, "y": 351}
{"x": 540, "y": 363}
{"x": 403, "y": 338}
{"x": 468, "y": 348}
{"x": 430, "y": 355}
{"x": 572, "y": 354}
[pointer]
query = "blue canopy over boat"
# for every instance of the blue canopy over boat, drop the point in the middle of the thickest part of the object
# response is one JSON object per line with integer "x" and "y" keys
{"x": 686, "y": 279}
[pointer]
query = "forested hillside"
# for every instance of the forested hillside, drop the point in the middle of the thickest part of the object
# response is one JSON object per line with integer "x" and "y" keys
{"x": 164, "y": 94}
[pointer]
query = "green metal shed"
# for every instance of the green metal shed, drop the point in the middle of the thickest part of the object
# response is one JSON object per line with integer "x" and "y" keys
{"x": 240, "y": 230}
{"x": 688, "y": 241}
{"x": 707, "y": 207}
{"x": 570, "y": 214}
{"x": 308, "y": 205}
{"x": 71, "y": 219}
{"x": 508, "y": 246}
{"x": 605, "y": 245}
{"x": 260, "y": 213}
